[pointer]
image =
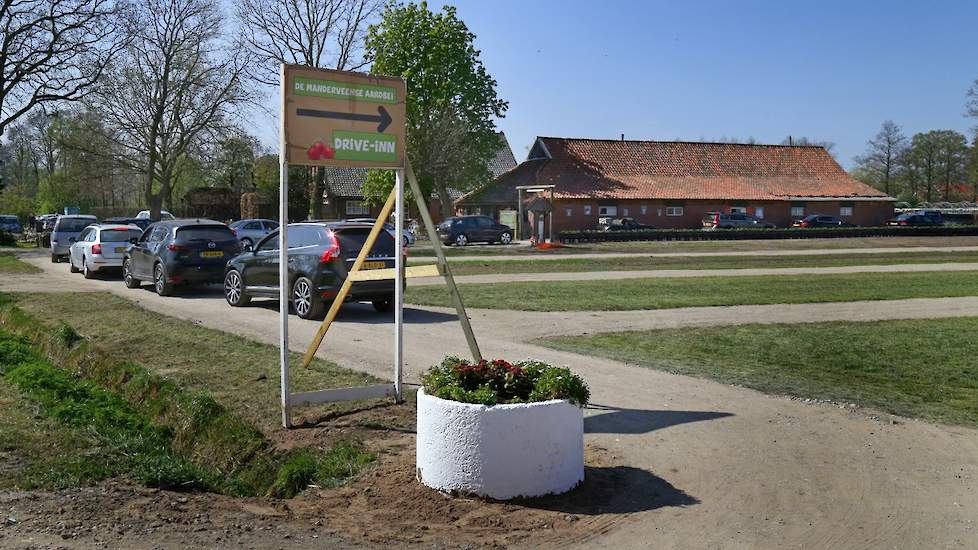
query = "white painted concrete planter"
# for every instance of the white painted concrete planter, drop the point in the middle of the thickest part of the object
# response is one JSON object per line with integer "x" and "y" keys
{"x": 502, "y": 451}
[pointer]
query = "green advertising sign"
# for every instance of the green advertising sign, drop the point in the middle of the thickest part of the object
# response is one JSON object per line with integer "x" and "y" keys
{"x": 364, "y": 146}
{"x": 343, "y": 90}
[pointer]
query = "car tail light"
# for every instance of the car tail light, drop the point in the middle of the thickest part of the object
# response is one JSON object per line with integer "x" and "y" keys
{"x": 903, "y": 222}
{"x": 234, "y": 232}
{"x": 716, "y": 220}
{"x": 175, "y": 247}
{"x": 332, "y": 252}
{"x": 804, "y": 223}
{"x": 96, "y": 249}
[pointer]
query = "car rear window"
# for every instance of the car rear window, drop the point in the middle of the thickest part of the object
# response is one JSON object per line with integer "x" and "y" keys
{"x": 119, "y": 235}
{"x": 351, "y": 240}
{"x": 73, "y": 225}
{"x": 205, "y": 233}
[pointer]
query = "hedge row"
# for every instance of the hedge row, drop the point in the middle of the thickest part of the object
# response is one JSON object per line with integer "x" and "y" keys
{"x": 572, "y": 237}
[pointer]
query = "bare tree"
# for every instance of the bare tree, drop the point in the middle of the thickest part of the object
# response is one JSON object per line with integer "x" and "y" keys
{"x": 882, "y": 158}
{"x": 52, "y": 51}
{"x": 326, "y": 34}
{"x": 175, "y": 88}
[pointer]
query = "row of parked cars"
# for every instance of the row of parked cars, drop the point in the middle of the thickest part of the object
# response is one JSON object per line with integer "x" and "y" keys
{"x": 244, "y": 257}
{"x": 735, "y": 220}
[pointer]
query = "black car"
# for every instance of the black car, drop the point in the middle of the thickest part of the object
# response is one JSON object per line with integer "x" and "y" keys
{"x": 320, "y": 257}
{"x": 820, "y": 220}
{"x": 924, "y": 218}
{"x": 177, "y": 252}
{"x": 462, "y": 230}
{"x": 624, "y": 224}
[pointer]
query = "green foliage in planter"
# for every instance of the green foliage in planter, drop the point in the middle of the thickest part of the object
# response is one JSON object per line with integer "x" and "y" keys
{"x": 497, "y": 382}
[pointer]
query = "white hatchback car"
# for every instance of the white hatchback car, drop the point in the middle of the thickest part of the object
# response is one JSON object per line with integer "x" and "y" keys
{"x": 100, "y": 246}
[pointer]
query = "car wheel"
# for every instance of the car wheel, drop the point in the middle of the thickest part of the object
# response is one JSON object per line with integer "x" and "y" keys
{"x": 247, "y": 244}
{"x": 383, "y": 306}
{"x": 461, "y": 240}
{"x": 304, "y": 302}
{"x": 88, "y": 273}
{"x": 131, "y": 282}
{"x": 160, "y": 284}
{"x": 55, "y": 258}
{"x": 234, "y": 289}
{"x": 506, "y": 237}
{"x": 71, "y": 265}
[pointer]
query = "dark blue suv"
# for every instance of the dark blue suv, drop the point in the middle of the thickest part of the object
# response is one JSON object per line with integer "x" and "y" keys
{"x": 176, "y": 252}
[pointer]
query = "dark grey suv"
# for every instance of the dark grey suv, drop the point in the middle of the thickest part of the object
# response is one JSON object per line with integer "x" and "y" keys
{"x": 177, "y": 252}
{"x": 320, "y": 257}
{"x": 462, "y": 230}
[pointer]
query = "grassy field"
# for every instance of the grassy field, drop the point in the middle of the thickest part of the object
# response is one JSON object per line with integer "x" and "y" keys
{"x": 673, "y": 292}
{"x": 239, "y": 373}
{"x": 705, "y": 262}
{"x": 422, "y": 248}
{"x": 10, "y": 264}
{"x": 916, "y": 368}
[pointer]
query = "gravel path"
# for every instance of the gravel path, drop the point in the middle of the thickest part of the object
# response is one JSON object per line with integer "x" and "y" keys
{"x": 733, "y": 468}
{"x": 603, "y": 255}
{"x": 683, "y": 273}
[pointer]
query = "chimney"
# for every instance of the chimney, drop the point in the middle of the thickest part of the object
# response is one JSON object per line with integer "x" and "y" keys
{"x": 623, "y": 137}
{"x": 791, "y": 141}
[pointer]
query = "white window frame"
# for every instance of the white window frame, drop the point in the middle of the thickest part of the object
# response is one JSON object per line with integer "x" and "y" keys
{"x": 797, "y": 211}
{"x": 759, "y": 212}
{"x": 643, "y": 209}
{"x": 674, "y": 211}
{"x": 846, "y": 211}
{"x": 608, "y": 211}
{"x": 624, "y": 212}
{"x": 356, "y": 208}
{"x": 569, "y": 211}
{"x": 587, "y": 209}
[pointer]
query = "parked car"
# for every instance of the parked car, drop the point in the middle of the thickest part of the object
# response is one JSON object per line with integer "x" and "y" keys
{"x": 821, "y": 220}
{"x": 100, "y": 247}
{"x": 164, "y": 215}
{"x": 732, "y": 220}
{"x": 46, "y": 222}
{"x": 65, "y": 231}
{"x": 407, "y": 237}
{"x": 622, "y": 224}
{"x": 250, "y": 232}
{"x": 10, "y": 224}
{"x": 320, "y": 257}
{"x": 929, "y": 218}
{"x": 141, "y": 223}
{"x": 461, "y": 230}
{"x": 176, "y": 252}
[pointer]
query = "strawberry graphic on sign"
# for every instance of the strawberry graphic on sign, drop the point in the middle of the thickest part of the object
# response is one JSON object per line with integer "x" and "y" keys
{"x": 319, "y": 151}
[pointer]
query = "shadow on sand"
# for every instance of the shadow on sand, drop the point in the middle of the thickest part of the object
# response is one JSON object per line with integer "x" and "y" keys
{"x": 638, "y": 421}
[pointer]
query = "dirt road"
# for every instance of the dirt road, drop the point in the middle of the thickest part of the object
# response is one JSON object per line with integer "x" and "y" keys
{"x": 684, "y": 273}
{"x": 750, "y": 253}
{"x": 723, "y": 467}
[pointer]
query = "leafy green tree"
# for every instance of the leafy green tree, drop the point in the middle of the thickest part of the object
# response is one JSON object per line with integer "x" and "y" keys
{"x": 451, "y": 101}
{"x": 936, "y": 160}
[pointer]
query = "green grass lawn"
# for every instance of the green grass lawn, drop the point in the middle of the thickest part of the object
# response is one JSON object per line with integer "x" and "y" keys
{"x": 669, "y": 292}
{"x": 422, "y": 248}
{"x": 241, "y": 374}
{"x": 10, "y": 264}
{"x": 917, "y": 368}
{"x": 705, "y": 262}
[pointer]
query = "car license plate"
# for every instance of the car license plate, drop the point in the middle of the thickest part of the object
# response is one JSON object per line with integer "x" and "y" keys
{"x": 212, "y": 254}
{"x": 373, "y": 265}
{"x": 120, "y": 249}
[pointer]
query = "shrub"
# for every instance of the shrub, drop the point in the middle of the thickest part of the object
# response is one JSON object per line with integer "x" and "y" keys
{"x": 7, "y": 239}
{"x": 497, "y": 382}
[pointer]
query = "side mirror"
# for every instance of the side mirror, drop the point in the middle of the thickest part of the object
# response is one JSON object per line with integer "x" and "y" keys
{"x": 248, "y": 247}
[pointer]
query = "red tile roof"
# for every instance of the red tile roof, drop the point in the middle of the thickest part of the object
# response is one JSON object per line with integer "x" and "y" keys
{"x": 591, "y": 168}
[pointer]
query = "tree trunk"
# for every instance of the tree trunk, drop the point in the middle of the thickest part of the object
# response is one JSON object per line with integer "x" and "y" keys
{"x": 316, "y": 189}
{"x": 447, "y": 207}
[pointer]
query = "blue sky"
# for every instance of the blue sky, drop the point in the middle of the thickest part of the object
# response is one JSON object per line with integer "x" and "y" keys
{"x": 704, "y": 70}
{"x": 827, "y": 70}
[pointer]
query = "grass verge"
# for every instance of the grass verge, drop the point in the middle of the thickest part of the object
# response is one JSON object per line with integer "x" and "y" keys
{"x": 914, "y": 368}
{"x": 209, "y": 446}
{"x": 669, "y": 292}
{"x": 10, "y": 264}
{"x": 706, "y": 262}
